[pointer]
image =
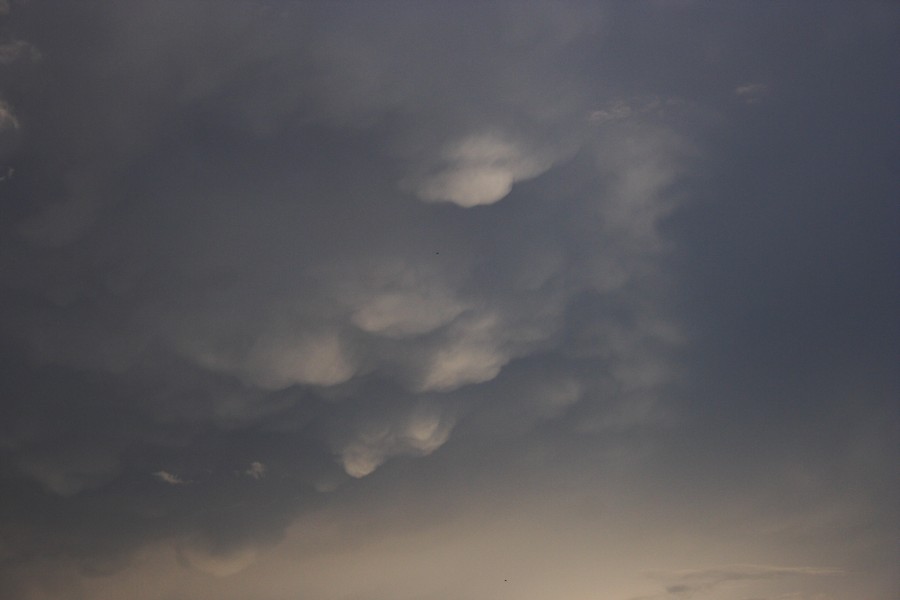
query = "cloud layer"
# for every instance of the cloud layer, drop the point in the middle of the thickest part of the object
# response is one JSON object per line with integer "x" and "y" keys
{"x": 548, "y": 291}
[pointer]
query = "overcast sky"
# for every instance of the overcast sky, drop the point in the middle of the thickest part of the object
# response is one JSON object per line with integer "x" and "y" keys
{"x": 383, "y": 300}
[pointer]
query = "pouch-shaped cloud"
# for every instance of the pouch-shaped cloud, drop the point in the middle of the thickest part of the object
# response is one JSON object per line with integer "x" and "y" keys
{"x": 472, "y": 353}
{"x": 480, "y": 169}
{"x": 278, "y": 360}
{"x": 316, "y": 360}
{"x": 419, "y": 433}
{"x": 405, "y": 313}
{"x": 400, "y": 301}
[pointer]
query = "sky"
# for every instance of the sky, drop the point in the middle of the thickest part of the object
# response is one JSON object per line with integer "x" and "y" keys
{"x": 393, "y": 300}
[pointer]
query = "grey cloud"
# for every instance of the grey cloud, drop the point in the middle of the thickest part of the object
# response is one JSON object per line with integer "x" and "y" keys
{"x": 169, "y": 478}
{"x": 422, "y": 431}
{"x": 8, "y": 120}
{"x": 307, "y": 256}
{"x": 15, "y": 50}
{"x": 481, "y": 169}
{"x": 197, "y": 554}
{"x": 256, "y": 470}
{"x": 70, "y": 473}
{"x": 751, "y": 93}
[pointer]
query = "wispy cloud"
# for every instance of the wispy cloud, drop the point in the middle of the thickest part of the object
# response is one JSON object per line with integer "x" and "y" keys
{"x": 752, "y": 93}
{"x": 682, "y": 585}
{"x": 256, "y": 470}
{"x": 8, "y": 119}
{"x": 170, "y": 478}
{"x": 15, "y": 50}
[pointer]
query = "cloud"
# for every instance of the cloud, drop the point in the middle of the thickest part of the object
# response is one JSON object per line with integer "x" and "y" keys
{"x": 65, "y": 221}
{"x": 204, "y": 558}
{"x": 752, "y": 93}
{"x": 393, "y": 284}
{"x": 277, "y": 361}
{"x": 480, "y": 169}
{"x": 8, "y": 119}
{"x": 690, "y": 583}
{"x": 624, "y": 109}
{"x": 170, "y": 478}
{"x": 71, "y": 472}
{"x": 16, "y": 50}
{"x": 419, "y": 432}
{"x": 400, "y": 300}
{"x": 256, "y": 470}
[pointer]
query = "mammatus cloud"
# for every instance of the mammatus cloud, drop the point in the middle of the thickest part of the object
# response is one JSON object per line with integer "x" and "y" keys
{"x": 480, "y": 169}
{"x": 418, "y": 433}
{"x": 427, "y": 322}
{"x": 403, "y": 305}
{"x": 279, "y": 359}
{"x": 317, "y": 298}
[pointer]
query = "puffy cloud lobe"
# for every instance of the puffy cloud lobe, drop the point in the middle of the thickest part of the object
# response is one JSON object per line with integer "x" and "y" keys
{"x": 278, "y": 361}
{"x": 402, "y": 314}
{"x": 472, "y": 353}
{"x": 418, "y": 433}
{"x": 400, "y": 301}
{"x": 481, "y": 169}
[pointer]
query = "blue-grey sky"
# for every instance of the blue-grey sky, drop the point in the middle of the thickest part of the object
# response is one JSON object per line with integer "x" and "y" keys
{"x": 393, "y": 300}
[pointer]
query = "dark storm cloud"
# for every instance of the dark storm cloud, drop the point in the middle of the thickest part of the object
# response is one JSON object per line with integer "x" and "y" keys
{"x": 260, "y": 258}
{"x": 226, "y": 247}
